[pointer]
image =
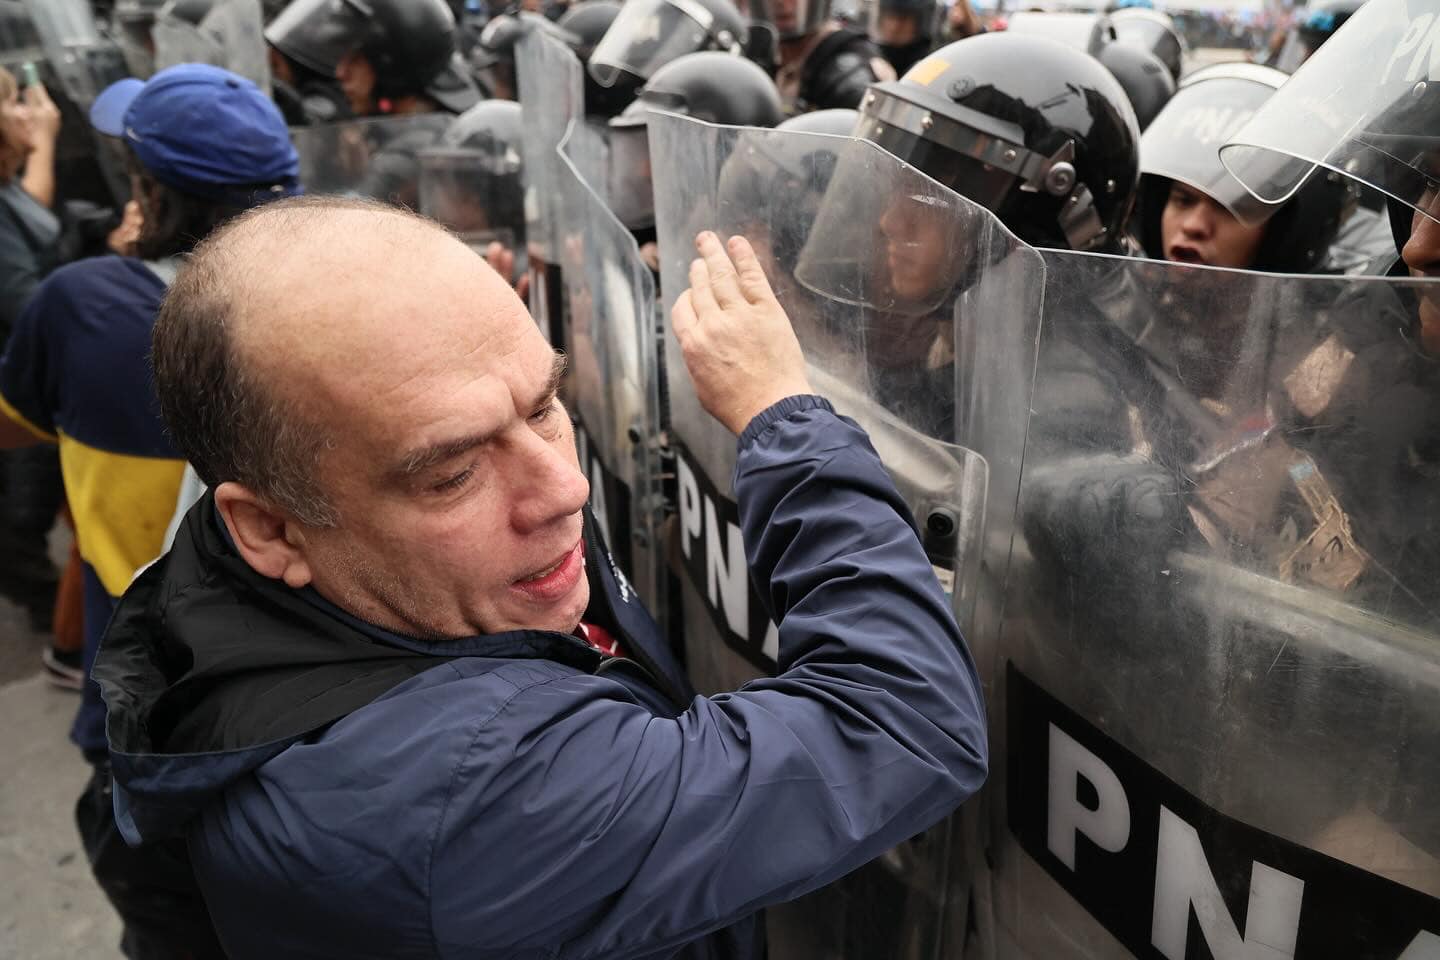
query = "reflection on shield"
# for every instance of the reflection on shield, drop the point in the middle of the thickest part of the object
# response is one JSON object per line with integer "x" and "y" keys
{"x": 1220, "y": 616}
{"x": 918, "y": 314}
{"x": 377, "y": 157}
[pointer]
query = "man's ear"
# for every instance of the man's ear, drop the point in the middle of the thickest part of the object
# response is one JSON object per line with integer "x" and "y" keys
{"x": 271, "y": 541}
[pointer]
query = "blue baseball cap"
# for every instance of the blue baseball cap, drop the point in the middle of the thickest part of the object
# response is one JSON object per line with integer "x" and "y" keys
{"x": 203, "y": 131}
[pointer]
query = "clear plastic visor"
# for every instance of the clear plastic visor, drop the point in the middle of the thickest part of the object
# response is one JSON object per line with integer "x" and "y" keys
{"x": 898, "y": 243}
{"x": 1366, "y": 105}
{"x": 318, "y": 33}
{"x": 647, "y": 35}
{"x": 1183, "y": 142}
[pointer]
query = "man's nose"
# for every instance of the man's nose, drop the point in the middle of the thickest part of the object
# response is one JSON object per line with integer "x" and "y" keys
{"x": 1422, "y": 251}
{"x": 548, "y": 486}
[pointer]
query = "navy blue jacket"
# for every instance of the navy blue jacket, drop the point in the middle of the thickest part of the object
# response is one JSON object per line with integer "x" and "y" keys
{"x": 521, "y": 795}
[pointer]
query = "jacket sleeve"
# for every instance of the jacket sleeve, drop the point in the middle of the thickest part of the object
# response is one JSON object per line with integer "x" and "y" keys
{"x": 29, "y": 393}
{"x": 621, "y": 834}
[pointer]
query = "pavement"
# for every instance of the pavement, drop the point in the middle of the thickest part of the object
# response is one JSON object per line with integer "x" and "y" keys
{"x": 50, "y": 907}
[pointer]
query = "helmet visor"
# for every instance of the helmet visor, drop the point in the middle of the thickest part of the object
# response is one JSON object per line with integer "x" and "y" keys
{"x": 318, "y": 33}
{"x": 1183, "y": 142}
{"x": 1367, "y": 106}
{"x": 896, "y": 243}
{"x": 648, "y": 34}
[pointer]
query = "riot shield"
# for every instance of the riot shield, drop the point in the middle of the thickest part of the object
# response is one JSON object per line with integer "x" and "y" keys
{"x": 1215, "y": 726}
{"x": 552, "y": 95}
{"x": 613, "y": 386}
{"x": 229, "y": 36}
{"x": 78, "y": 63}
{"x": 376, "y": 157}
{"x": 918, "y": 314}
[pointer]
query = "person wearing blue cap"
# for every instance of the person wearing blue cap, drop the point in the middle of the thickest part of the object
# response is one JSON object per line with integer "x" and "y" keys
{"x": 203, "y": 145}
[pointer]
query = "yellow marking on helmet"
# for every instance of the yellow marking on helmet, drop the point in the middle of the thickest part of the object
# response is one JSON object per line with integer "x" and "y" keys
{"x": 928, "y": 71}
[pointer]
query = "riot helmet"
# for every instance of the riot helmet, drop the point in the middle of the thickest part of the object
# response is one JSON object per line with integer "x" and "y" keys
{"x": 1087, "y": 32}
{"x": 711, "y": 86}
{"x": 1152, "y": 31}
{"x": 648, "y": 34}
{"x": 904, "y": 30}
{"x": 410, "y": 44}
{"x": 584, "y": 25}
{"x": 1377, "y": 85}
{"x": 1182, "y": 147}
{"x": 1036, "y": 131}
{"x": 1147, "y": 81}
{"x": 472, "y": 180}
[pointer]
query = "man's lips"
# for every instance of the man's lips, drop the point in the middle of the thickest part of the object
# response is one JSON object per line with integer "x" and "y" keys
{"x": 557, "y": 579}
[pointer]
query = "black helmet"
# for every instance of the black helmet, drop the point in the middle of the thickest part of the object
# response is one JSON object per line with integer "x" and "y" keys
{"x": 1153, "y": 31}
{"x": 584, "y": 25}
{"x": 711, "y": 86}
{"x": 1319, "y": 21}
{"x": 472, "y": 181}
{"x": 410, "y": 44}
{"x": 1146, "y": 80}
{"x": 1086, "y": 32}
{"x": 1183, "y": 145}
{"x": 651, "y": 33}
{"x": 1028, "y": 127}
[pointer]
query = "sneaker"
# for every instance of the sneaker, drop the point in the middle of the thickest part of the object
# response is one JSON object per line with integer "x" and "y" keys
{"x": 64, "y": 668}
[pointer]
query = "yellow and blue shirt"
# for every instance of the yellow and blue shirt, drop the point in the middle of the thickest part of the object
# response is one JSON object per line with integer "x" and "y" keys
{"x": 76, "y": 371}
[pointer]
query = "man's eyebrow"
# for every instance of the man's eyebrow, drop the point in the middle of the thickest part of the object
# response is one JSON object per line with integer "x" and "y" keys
{"x": 422, "y": 459}
{"x": 558, "y": 365}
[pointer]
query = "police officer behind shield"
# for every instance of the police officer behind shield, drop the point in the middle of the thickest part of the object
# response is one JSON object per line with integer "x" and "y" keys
{"x": 1027, "y": 127}
{"x": 906, "y": 30}
{"x": 1193, "y": 211}
{"x": 390, "y": 56}
{"x": 823, "y": 64}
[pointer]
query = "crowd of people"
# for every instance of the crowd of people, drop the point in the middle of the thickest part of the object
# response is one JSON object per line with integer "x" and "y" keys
{"x": 359, "y": 676}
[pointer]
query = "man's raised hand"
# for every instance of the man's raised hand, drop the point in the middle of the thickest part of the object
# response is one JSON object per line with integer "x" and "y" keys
{"x": 738, "y": 343}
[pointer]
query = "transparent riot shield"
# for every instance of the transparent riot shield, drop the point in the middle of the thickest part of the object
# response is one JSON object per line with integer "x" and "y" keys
{"x": 552, "y": 95}
{"x": 918, "y": 314}
{"x": 1215, "y": 726}
{"x": 377, "y": 157}
{"x": 229, "y": 36}
{"x": 613, "y": 386}
{"x": 78, "y": 62}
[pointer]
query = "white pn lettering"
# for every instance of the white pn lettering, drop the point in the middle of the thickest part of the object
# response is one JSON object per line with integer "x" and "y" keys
{"x": 1183, "y": 880}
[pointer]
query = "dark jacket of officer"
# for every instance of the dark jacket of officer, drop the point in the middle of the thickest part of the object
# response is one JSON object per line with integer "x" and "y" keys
{"x": 346, "y": 792}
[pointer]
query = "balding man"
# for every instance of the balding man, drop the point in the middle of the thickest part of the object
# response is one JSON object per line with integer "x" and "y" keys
{"x": 388, "y": 684}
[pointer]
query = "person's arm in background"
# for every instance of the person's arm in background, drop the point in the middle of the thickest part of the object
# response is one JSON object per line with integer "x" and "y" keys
{"x": 27, "y": 399}
{"x": 39, "y": 177}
